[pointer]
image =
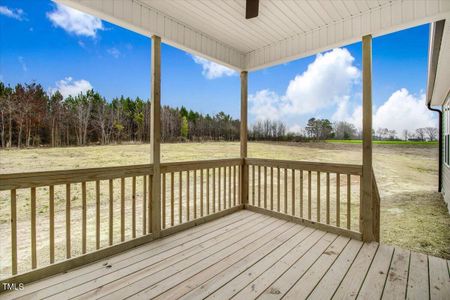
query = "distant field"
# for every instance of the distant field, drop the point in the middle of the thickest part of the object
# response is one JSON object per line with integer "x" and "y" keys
{"x": 409, "y": 143}
{"x": 413, "y": 214}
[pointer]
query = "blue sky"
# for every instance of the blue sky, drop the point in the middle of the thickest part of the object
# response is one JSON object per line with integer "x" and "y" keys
{"x": 61, "y": 49}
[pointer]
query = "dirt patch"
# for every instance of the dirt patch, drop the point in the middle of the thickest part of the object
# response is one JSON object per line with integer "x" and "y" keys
{"x": 413, "y": 214}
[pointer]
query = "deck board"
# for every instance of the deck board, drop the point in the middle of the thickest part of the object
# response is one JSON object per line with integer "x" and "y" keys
{"x": 397, "y": 279}
{"x": 247, "y": 255}
{"x": 418, "y": 284}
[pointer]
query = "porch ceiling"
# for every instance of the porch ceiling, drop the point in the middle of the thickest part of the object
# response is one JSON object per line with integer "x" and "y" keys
{"x": 284, "y": 29}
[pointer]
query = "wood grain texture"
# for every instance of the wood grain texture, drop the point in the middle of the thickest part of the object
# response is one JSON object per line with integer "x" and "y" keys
{"x": 155, "y": 133}
{"x": 243, "y": 255}
{"x": 367, "y": 207}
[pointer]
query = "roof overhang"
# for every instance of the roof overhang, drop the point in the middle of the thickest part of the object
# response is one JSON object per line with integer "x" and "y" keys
{"x": 438, "y": 83}
{"x": 283, "y": 31}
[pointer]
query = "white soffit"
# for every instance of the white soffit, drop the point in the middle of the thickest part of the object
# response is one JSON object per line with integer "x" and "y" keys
{"x": 442, "y": 81}
{"x": 283, "y": 31}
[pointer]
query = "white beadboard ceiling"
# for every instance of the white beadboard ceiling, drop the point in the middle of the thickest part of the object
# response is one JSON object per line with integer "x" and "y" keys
{"x": 283, "y": 31}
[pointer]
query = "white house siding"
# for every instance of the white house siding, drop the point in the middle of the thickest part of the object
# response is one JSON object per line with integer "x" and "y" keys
{"x": 445, "y": 167}
{"x": 446, "y": 185}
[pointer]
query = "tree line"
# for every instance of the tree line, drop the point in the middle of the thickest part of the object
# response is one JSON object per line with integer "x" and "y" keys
{"x": 31, "y": 117}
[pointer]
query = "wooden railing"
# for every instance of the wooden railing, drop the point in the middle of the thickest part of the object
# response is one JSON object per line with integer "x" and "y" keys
{"x": 64, "y": 219}
{"x": 56, "y": 216}
{"x": 314, "y": 193}
{"x": 192, "y": 190}
{"x": 59, "y": 215}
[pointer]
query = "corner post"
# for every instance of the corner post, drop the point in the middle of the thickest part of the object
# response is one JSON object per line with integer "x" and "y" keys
{"x": 367, "y": 205}
{"x": 244, "y": 137}
{"x": 155, "y": 135}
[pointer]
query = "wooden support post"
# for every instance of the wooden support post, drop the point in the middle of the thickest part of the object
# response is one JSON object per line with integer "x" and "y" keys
{"x": 366, "y": 214}
{"x": 155, "y": 135}
{"x": 243, "y": 134}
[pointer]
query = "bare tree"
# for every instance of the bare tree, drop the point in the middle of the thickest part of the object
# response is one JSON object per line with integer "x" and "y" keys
{"x": 405, "y": 134}
{"x": 431, "y": 132}
{"x": 344, "y": 130}
{"x": 420, "y": 133}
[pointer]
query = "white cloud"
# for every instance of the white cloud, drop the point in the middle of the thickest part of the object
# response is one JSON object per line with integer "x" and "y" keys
{"x": 327, "y": 82}
{"x": 212, "y": 70}
{"x": 74, "y": 21}
{"x": 114, "y": 52}
{"x": 22, "y": 63}
{"x": 264, "y": 105}
{"x": 17, "y": 14}
{"x": 404, "y": 111}
{"x": 69, "y": 87}
{"x": 401, "y": 111}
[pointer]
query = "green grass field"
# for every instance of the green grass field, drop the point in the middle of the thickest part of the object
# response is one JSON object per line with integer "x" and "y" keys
{"x": 407, "y": 143}
{"x": 413, "y": 214}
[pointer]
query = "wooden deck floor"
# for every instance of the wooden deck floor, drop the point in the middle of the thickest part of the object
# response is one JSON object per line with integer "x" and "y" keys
{"x": 247, "y": 255}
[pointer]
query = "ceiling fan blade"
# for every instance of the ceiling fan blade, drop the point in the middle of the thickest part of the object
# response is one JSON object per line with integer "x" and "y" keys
{"x": 251, "y": 9}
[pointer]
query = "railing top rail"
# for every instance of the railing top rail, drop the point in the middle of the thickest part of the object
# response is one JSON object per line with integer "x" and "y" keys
{"x": 45, "y": 178}
{"x": 37, "y": 179}
{"x": 199, "y": 164}
{"x": 308, "y": 166}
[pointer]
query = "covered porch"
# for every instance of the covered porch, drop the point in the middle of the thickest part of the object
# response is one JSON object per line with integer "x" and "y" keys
{"x": 240, "y": 227}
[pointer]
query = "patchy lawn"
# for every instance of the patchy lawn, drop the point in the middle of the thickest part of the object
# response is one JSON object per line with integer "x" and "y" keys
{"x": 413, "y": 214}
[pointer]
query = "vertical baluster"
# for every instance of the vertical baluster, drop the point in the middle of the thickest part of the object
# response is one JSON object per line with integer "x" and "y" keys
{"x": 285, "y": 190}
{"x": 97, "y": 214}
{"x": 195, "y": 194}
{"x": 14, "y": 231}
{"x": 218, "y": 189}
{"x": 338, "y": 200}
{"x": 180, "y": 198}
{"x": 149, "y": 203}
{"x": 224, "y": 187}
{"x": 133, "y": 207}
{"x": 144, "y": 205}
{"x": 83, "y": 212}
{"x": 207, "y": 192}
{"x": 122, "y": 209}
{"x": 309, "y": 195}
{"x": 265, "y": 187}
{"x": 234, "y": 185}
{"x": 328, "y": 197}
{"x": 301, "y": 193}
{"x": 163, "y": 204}
{"x": 239, "y": 184}
{"x": 259, "y": 186}
{"x": 201, "y": 192}
{"x": 229, "y": 187}
{"x": 172, "y": 199}
{"x": 52, "y": 222}
{"x": 349, "y": 184}
{"x": 278, "y": 189}
{"x": 318, "y": 196}
{"x": 271, "y": 188}
{"x": 33, "y": 229}
{"x": 111, "y": 212}
{"x": 188, "y": 204}
{"x": 253, "y": 185}
{"x": 293, "y": 192}
{"x": 214, "y": 189}
{"x": 68, "y": 242}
